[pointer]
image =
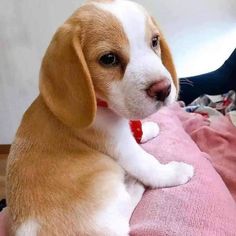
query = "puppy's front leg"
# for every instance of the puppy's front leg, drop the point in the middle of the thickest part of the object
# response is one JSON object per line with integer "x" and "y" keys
{"x": 147, "y": 169}
{"x": 121, "y": 145}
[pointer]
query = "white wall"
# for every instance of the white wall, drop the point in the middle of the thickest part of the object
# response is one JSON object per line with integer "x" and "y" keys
{"x": 201, "y": 34}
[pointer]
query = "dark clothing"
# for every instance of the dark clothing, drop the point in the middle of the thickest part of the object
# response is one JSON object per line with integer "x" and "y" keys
{"x": 216, "y": 82}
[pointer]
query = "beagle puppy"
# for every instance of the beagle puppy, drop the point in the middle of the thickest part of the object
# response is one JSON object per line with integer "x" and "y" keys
{"x": 74, "y": 167}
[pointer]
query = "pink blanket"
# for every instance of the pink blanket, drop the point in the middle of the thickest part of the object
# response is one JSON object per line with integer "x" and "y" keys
{"x": 204, "y": 206}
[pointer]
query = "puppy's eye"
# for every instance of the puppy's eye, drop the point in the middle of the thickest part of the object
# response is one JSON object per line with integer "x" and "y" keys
{"x": 155, "y": 41}
{"x": 109, "y": 59}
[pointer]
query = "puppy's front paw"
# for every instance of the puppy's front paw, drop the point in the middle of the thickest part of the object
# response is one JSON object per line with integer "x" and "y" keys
{"x": 150, "y": 131}
{"x": 182, "y": 172}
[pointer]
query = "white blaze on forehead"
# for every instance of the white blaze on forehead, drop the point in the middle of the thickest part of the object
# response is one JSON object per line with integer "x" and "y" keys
{"x": 133, "y": 19}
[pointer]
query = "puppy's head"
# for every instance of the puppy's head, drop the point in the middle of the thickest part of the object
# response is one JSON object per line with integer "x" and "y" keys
{"x": 111, "y": 50}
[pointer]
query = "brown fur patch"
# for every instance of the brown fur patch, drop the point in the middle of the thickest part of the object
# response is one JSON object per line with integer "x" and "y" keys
{"x": 64, "y": 71}
{"x": 54, "y": 178}
{"x": 101, "y": 32}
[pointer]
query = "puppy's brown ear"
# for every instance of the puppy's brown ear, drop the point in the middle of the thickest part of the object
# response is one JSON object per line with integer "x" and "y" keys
{"x": 167, "y": 60}
{"x": 65, "y": 81}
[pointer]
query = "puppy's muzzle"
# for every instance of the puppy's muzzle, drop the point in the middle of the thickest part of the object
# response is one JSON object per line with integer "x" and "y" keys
{"x": 160, "y": 90}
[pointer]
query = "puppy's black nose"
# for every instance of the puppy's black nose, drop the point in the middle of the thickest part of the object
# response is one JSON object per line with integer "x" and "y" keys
{"x": 160, "y": 90}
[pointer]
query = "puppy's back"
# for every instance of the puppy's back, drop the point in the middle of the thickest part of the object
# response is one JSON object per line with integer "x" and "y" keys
{"x": 56, "y": 184}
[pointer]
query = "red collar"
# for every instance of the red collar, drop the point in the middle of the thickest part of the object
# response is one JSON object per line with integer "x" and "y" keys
{"x": 135, "y": 125}
{"x": 101, "y": 103}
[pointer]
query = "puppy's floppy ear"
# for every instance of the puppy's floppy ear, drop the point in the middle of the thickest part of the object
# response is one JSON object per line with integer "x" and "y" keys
{"x": 167, "y": 60}
{"x": 65, "y": 81}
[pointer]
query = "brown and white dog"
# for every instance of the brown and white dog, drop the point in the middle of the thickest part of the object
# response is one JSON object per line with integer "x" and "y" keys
{"x": 74, "y": 167}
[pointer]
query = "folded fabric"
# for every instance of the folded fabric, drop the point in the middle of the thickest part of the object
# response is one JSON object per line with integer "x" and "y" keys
{"x": 219, "y": 141}
{"x": 222, "y": 103}
{"x": 204, "y": 206}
